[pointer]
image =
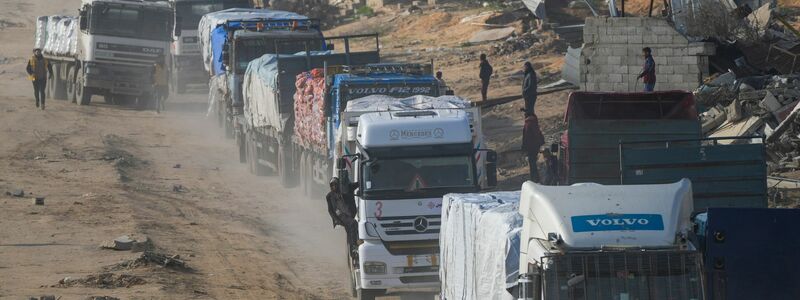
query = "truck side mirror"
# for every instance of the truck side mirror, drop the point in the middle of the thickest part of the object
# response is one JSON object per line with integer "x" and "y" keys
{"x": 178, "y": 26}
{"x": 83, "y": 20}
{"x": 491, "y": 168}
{"x": 554, "y": 148}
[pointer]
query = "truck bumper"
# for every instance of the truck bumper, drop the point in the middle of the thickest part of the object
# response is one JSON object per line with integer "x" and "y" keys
{"x": 403, "y": 272}
{"x": 119, "y": 79}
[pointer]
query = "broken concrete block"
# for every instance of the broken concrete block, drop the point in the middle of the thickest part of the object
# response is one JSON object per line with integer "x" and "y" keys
{"x": 712, "y": 119}
{"x": 491, "y": 35}
{"x": 770, "y": 103}
{"x": 745, "y": 127}
{"x": 121, "y": 243}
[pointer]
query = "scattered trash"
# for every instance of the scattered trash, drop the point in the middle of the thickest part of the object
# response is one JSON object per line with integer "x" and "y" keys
{"x": 179, "y": 188}
{"x": 103, "y": 281}
{"x": 151, "y": 258}
{"x": 38, "y": 201}
{"x": 16, "y": 193}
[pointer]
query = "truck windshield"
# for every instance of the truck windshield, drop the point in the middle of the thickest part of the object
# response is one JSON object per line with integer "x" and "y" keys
{"x": 419, "y": 174}
{"x": 190, "y": 12}
{"x": 130, "y": 22}
{"x": 656, "y": 275}
{"x": 250, "y": 49}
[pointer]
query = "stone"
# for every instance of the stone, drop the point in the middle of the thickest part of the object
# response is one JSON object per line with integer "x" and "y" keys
{"x": 38, "y": 201}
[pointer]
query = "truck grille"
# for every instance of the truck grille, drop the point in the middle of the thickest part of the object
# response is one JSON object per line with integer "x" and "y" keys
{"x": 410, "y": 225}
{"x": 413, "y": 247}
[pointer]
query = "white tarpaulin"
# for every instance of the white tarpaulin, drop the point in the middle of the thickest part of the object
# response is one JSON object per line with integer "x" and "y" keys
{"x": 40, "y": 39}
{"x": 388, "y": 103}
{"x": 479, "y": 245}
{"x": 262, "y": 102}
{"x": 61, "y": 37}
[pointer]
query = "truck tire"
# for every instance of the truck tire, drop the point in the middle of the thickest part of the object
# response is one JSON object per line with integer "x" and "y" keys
{"x": 258, "y": 168}
{"x": 352, "y": 267}
{"x": 57, "y": 87}
{"x": 228, "y": 130}
{"x": 285, "y": 166}
{"x": 248, "y": 149}
{"x": 240, "y": 138}
{"x": 369, "y": 294}
{"x": 83, "y": 95}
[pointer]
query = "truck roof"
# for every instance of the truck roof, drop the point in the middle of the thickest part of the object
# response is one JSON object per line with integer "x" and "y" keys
{"x": 594, "y": 216}
{"x": 159, "y": 4}
{"x": 413, "y": 128}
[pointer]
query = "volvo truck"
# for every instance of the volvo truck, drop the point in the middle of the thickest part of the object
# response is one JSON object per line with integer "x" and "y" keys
{"x": 186, "y": 67}
{"x": 593, "y": 241}
{"x": 109, "y": 50}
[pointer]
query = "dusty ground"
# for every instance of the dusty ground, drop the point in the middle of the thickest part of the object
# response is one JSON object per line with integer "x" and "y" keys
{"x": 107, "y": 171}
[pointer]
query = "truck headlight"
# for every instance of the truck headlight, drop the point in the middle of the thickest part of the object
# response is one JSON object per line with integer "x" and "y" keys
{"x": 374, "y": 268}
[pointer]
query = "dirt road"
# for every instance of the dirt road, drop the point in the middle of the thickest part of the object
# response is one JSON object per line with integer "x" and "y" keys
{"x": 107, "y": 171}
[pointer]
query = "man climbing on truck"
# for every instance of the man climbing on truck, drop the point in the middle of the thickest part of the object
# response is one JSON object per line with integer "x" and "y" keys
{"x": 342, "y": 209}
{"x": 38, "y": 69}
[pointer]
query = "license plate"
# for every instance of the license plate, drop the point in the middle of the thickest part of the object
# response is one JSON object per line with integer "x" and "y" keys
{"x": 422, "y": 260}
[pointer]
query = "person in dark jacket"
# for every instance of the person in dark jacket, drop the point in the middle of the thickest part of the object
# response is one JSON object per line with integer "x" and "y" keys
{"x": 38, "y": 70}
{"x": 529, "y": 88}
{"x": 648, "y": 73}
{"x": 532, "y": 140}
{"x": 342, "y": 209}
{"x": 485, "y": 74}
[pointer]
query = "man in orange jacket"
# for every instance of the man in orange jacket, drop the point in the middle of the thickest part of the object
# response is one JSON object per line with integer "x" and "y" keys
{"x": 38, "y": 69}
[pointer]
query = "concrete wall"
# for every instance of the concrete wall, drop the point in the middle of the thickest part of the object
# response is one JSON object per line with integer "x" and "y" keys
{"x": 612, "y": 58}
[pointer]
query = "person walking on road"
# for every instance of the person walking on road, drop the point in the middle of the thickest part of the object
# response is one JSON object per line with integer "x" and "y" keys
{"x": 485, "y": 74}
{"x": 342, "y": 210}
{"x": 532, "y": 140}
{"x": 161, "y": 88}
{"x": 39, "y": 69}
{"x": 648, "y": 74}
{"x": 529, "y": 88}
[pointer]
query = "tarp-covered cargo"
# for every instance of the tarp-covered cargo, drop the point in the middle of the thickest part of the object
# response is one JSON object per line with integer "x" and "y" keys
{"x": 213, "y": 33}
{"x": 387, "y": 103}
{"x": 61, "y": 37}
{"x": 40, "y": 39}
{"x": 262, "y": 105}
{"x": 479, "y": 245}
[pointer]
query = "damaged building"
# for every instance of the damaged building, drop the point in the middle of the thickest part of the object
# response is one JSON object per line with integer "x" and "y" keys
{"x": 611, "y": 57}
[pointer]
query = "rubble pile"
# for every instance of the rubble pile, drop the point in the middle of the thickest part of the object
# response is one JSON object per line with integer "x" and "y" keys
{"x": 514, "y": 44}
{"x": 765, "y": 106}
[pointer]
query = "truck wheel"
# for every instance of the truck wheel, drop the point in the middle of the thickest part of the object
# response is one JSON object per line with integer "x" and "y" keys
{"x": 285, "y": 166}
{"x": 248, "y": 149}
{"x": 242, "y": 149}
{"x": 228, "y": 130}
{"x": 258, "y": 168}
{"x": 369, "y": 294}
{"x": 351, "y": 265}
{"x": 60, "y": 89}
{"x": 70, "y": 87}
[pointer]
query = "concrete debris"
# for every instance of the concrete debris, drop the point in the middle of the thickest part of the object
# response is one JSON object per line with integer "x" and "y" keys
{"x": 755, "y": 106}
{"x": 513, "y": 44}
{"x": 491, "y": 35}
{"x": 150, "y": 257}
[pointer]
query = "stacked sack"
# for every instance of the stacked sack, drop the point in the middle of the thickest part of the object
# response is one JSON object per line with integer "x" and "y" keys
{"x": 309, "y": 110}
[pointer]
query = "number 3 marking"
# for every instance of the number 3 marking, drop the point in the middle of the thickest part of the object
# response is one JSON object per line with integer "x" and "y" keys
{"x": 378, "y": 211}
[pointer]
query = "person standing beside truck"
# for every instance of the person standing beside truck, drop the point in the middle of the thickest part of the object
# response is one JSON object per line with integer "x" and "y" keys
{"x": 160, "y": 83}
{"x": 532, "y": 140}
{"x": 485, "y": 74}
{"x": 342, "y": 209}
{"x": 529, "y": 88}
{"x": 38, "y": 70}
{"x": 648, "y": 74}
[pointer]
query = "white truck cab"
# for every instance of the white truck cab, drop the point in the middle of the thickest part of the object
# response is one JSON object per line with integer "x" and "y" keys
{"x": 404, "y": 162}
{"x": 592, "y": 241}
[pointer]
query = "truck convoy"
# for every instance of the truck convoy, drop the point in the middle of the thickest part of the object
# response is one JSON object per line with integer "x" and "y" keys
{"x": 109, "y": 49}
{"x": 231, "y": 38}
{"x": 185, "y": 51}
